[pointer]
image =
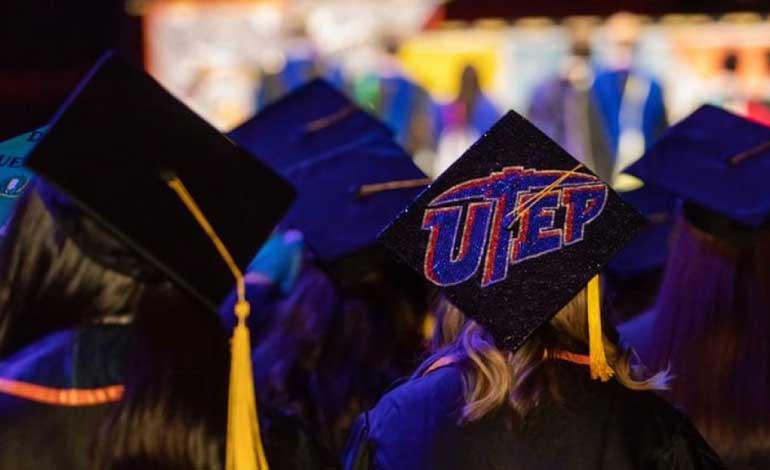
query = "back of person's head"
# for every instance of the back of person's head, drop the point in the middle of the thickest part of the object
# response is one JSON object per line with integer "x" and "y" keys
{"x": 470, "y": 88}
{"x": 173, "y": 411}
{"x": 495, "y": 377}
{"x": 324, "y": 356}
{"x": 47, "y": 283}
{"x": 730, "y": 62}
{"x": 291, "y": 345}
{"x": 712, "y": 326}
{"x": 579, "y": 31}
{"x": 624, "y": 29}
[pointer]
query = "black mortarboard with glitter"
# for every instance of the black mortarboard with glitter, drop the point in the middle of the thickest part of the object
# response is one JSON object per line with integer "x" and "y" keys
{"x": 513, "y": 230}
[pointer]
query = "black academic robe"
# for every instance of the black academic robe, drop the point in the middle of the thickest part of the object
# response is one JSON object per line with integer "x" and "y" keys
{"x": 598, "y": 426}
{"x": 34, "y": 435}
{"x": 638, "y": 333}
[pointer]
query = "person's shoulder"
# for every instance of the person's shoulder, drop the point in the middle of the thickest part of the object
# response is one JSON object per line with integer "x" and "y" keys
{"x": 399, "y": 432}
{"x": 447, "y": 380}
{"x": 50, "y": 357}
{"x": 664, "y": 434}
{"x": 440, "y": 391}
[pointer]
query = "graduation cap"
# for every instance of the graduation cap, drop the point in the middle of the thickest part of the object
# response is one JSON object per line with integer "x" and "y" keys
{"x": 351, "y": 182}
{"x": 14, "y": 178}
{"x": 350, "y": 195}
{"x": 306, "y": 123}
{"x": 715, "y": 160}
{"x": 129, "y": 158}
{"x": 513, "y": 231}
{"x": 649, "y": 250}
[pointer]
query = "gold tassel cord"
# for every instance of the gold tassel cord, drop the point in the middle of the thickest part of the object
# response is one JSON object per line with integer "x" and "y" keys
{"x": 752, "y": 152}
{"x": 522, "y": 208}
{"x": 244, "y": 442}
{"x": 374, "y": 188}
{"x": 598, "y": 360}
{"x": 330, "y": 120}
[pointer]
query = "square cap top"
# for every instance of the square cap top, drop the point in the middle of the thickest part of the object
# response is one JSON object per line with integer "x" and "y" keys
{"x": 110, "y": 151}
{"x": 513, "y": 230}
{"x": 715, "y": 159}
{"x": 349, "y": 194}
{"x": 305, "y": 123}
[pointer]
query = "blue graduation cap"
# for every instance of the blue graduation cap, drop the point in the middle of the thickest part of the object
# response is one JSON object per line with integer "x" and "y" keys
{"x": 352, "y": 177}
{"x": 305, "y": 123}
{"x": 349, "y": 195}
{"x": 14, "y": 177}
{"x": 715, "y": 160}
{"x": 650, "y": 249}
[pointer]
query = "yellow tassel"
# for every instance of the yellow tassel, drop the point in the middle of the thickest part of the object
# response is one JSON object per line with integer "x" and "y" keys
{"x": 429, "y": 326}
{"x": 244, "y": 446}
{"x": 244, "y": 443}
{"x": 599, "y": 368}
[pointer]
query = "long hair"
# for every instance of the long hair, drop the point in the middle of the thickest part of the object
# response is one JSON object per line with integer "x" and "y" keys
{"x": 712, "y": 325}
{"x": 173, "y": 412}
{"x": 494, "y": 377}
{"x": 333, "y": 349}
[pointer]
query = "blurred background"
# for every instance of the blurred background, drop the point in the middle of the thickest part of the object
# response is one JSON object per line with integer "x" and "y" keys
{"x": 438, "y": 72}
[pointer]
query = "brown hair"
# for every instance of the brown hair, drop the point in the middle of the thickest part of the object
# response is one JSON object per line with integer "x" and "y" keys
{"x": 712, "y": 325}
{"x": 494, "y": 377}
{"x": 174, "y": 409}
{"x": 323, "y": 357}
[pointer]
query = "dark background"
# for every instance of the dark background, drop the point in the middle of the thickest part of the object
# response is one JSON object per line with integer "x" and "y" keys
{"x": 45, "y": 48}
{"x": 47, "y": 45}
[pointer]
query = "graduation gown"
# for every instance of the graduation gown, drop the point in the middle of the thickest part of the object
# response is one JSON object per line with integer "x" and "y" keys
{"x": 37, "y": 435}
{"x": 599, "y": 426}
{"x": 570, "y": 116}
{"x": 608, "y": 94}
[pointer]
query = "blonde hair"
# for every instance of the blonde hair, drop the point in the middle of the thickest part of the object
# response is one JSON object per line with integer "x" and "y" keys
{"x": 494, "y": 377}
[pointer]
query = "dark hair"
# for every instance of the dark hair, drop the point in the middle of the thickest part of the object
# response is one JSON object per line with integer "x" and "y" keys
{"x": 470, "y": 90}
{"x": 730, "y": 62}
{"x": 335, "y": 347}
{"x": 47, "y": 284}
{"x": 713, "y": 325}
{"x": 173, "y": 412}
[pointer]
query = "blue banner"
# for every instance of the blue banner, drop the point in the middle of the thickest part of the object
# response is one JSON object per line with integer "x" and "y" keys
{"x": 14, "y": 176}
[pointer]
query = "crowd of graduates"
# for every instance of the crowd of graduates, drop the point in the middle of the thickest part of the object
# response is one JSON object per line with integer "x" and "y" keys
{"x": 583, "y": 288}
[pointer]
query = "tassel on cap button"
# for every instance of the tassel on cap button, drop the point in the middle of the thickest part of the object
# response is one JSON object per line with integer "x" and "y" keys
{"x": 600, "y": 369}
{"x": 244, "y": 442}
